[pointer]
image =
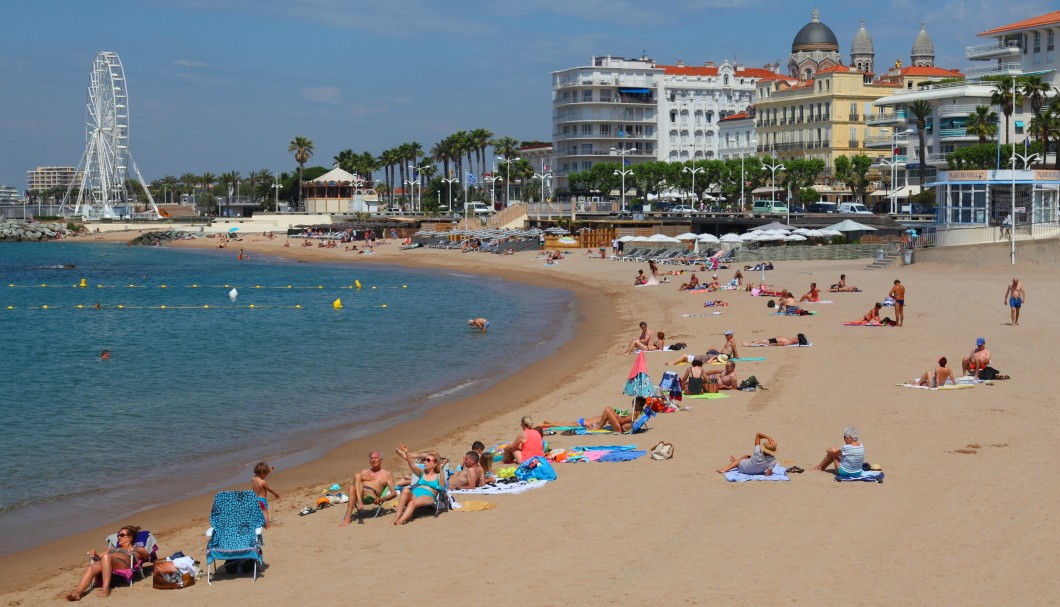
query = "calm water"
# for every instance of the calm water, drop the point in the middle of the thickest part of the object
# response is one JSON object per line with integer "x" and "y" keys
{"x": 200, "y": 385}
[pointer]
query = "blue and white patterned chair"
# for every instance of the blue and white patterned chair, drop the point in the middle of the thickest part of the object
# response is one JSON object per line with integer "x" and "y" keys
{"x": 235, "y": 533}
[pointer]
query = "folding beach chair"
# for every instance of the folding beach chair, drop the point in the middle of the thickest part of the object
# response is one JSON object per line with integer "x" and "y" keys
{"x": 143, "y": 539}
{"x": 235, "y": 534}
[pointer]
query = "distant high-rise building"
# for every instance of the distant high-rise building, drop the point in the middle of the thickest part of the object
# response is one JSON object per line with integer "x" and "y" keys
{"x": 45, "y": 178}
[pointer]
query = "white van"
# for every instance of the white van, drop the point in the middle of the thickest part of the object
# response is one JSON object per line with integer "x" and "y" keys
{"x": 854, "y": 208}
{"x": 478, "y": 208}
{"x": 769, "y": 207}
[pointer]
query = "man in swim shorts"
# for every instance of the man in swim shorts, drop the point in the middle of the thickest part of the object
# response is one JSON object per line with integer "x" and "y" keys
{"x": 774, "y": 341}
{"x": 479, "y": 323}
{"x": 898, "y": 294}
{"x": 1014, "y": 296}
{"x": 470, "y": 475}
{"x": 368, "y": 487}
{"x": 977, "y": 360}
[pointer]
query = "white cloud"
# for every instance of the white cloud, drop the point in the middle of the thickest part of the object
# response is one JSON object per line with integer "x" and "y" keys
{"x": 322, "y": 94}
{"x": 189, "y": 63}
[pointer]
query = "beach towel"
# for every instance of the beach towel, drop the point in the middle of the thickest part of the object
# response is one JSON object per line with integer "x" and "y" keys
{"x": 787, "y": 346}
{"x": 472, "y": 505}
{"x": 748, "y": 359}
{"x": 779, "y": 474}
{"x": 502, "y": 488}
{"x": 697, "y": 315}
{"x": 823, "y": 301}
{"x": 622, "y": 456}
{"x": 804, "y": 313}
{"x": 946, "y": 387}
{"x": 861, "y": 324}
{"x": 707, "y": 396}
{"x": 871, "y": 476}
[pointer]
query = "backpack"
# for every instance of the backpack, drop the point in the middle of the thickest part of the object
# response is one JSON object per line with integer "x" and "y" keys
{"x": 751, "y": 383}
{"x": 678, "y": 346}
{"x": 802, "y": 340}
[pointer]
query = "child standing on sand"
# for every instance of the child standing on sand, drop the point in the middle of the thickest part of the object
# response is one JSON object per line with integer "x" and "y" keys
{"x": 262, "y": 489}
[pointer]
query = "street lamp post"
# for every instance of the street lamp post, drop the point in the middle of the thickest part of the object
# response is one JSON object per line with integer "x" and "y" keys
{"x": 412, "y": 197}
{"x": 693, "y": 169}
{"x": 508, "y": 178}
{"x": 450, "y": 181}
{"x": 492, "y": 180}
{"x": 623, "y": 171}
{"x": 543, "y": 176}
{"x": 276, "y": 191}
{"x": 743, "y": 177}
{"x": 773, "y": 168}
{"x": 1027, "y": 160}
{"x": 416, "y": 204}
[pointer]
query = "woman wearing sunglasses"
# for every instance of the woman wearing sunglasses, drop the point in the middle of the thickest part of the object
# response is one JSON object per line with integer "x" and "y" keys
{"x": 122, "y": 556}
{"x": 424, "y": 490}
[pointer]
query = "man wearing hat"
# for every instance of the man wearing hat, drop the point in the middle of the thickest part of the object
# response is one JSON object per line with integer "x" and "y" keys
{"x": 761, "y": 460}
{"x": 978, "y": 360}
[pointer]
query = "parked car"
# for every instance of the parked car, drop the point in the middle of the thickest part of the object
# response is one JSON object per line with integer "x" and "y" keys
{"x": 823, "y": 206}
{"x": 854, "y": 208}
{"x": 796, "y": 209}
{"x": 768, "y": 207}
{"x": 478, "y": 208}
{"x": 682, "y": 209}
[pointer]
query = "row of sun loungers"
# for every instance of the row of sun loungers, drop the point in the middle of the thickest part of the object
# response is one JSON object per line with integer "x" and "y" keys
{"x": 670, "y": 256}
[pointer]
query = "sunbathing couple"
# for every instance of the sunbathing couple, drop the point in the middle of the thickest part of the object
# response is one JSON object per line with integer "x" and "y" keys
{"x": 712, "y": 355}
{"x": 644, "y": 341}
{"x": 786, "y": 304}
{"x": 695, "y": 379}
{"x": 841, "y": 286}
{"x": 608, "y": 419}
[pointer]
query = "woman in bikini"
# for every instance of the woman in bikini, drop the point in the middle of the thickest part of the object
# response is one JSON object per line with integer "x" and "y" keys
{"x": 426, "y": 488}
{"x": 938, "y": 377}
{"x": 609, "y": 418}
{"x": 122, "y": 556}
{"x": 694, "y": 379}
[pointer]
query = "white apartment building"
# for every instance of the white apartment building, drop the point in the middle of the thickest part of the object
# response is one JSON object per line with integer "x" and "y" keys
{"x": 46, "y": 178}
{"x": 634, "y": 108}
{"x": 8, "y": 195}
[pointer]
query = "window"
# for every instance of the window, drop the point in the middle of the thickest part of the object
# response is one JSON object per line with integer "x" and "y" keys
{"x": 1050, "y": 40}
{"x": 673, "y": 116}
{"x": 605, "y": 95}
{"x": 726, "y": 82}
{"x": 1037, "y": 42}
{"x": 605, "y": 129}
{"x": 587, "y": 95}
{"x": 587, "y": 149}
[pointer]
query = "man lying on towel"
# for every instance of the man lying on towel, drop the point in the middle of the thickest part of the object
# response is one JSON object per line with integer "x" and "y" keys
{"x": 798, "y": 340}
{"x": 872, "y": 318}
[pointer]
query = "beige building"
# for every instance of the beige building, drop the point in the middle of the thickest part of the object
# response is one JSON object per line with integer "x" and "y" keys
{"x": 46, "y": 178}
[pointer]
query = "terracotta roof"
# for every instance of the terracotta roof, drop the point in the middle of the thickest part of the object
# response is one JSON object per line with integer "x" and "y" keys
{"x": 838, "y": 69}
{"x": 694, "y": 70}
{"x": 740, "y": 116}
{"x": 1052, "y": 18}
{"x": 916, "y": 70}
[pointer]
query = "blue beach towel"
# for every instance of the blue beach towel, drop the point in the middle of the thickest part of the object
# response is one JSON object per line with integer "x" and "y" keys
{"x": 622, "y": 456}
{"x": 868, "y": 477}
{"x": 780, "y": 473}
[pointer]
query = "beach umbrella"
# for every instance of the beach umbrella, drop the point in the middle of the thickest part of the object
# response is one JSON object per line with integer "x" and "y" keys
{"x": 658, "y": 238}
{"x": 794, "y": 238}
{"x": 730, "y": 237}
{"x": 687, "y": 236}
{"x": 639, "y": 382}
{"x": 849, "y": 225}
{"x": 626, "y": 238}
{"x": 707, "y": 238}
{"x": 775, "y": 225}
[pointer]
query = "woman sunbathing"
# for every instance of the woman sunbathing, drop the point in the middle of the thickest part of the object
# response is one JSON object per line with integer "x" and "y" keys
{"x": 872, "y": 318}
{"x": 609, "y": 418}
{"x": 938, "y": 377}
{"x": 841, "y": 286}
{"x": 423, "y": 493}
{"x": 103, "y": 565}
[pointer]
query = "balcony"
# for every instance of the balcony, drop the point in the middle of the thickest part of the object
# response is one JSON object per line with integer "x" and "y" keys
{"x": 879, "y": 142}
{"x": 885, "y": 118}
{"x": 958, "y": 133}
{"x": 825, "y": 118}
{"x": 992, "y": 50}
{"x": 853, "y": 143}
{"x": 959, "y": 109}
{"x": 854, "y": 117}
{"x": 783, "y": 121}
{"x": 773, "y": 122}
{"x": 1001, "y": 68}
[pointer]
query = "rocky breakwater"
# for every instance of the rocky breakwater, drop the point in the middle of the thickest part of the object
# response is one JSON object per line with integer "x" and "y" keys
{"x": 12, "y": 230}
{"x": 153, "y": 239}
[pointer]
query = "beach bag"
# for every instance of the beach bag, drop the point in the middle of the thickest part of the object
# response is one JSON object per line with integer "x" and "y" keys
{"x": 751, "y": 383}
{"x": 712, "y": 384}
{"x": 802, "y": 340}
{"x": 678, "y": 346}
{"x": 537, "y": 468}
{"x": 166, "y": 576}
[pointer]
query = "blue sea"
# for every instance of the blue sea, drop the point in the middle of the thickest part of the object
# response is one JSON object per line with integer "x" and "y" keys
{"x": 203, "y": 381}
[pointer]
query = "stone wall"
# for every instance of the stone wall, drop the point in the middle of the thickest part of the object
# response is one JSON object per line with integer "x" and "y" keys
{"x": 15, "y": 230}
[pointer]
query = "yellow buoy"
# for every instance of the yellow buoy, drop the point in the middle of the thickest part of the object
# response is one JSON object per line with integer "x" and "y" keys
{"x": 337, "y": 304}
{"x": 163, "y": 307}
{"x": 121, "y": 306}
{"x": 404, "y": 286}
{"x": 83, "y": 283}
{"x": 161, "y": 286}
{"x": 357, "y": 284}
{"x": 384, "y": 305}
{"x": 44, "y": 307}
{"x": 299, "y": 306}
{"x": 79, "y": 306}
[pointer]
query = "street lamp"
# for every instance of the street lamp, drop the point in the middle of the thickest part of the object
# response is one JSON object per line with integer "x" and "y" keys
{"x": 492, "y": 180}
{"x": 416, "y": 204}
{"x": 450, "y": 181}
{"x": 276, "y": 189}
{"x": 412, "y": 185}
{"x": 743, "y": 178}
{"x": 543, "y": 176}
{"x": 623, "y": 171}
{"x": 693, "y": 169}
{"x": 773, "y": 168}
{"x": 1027, "y": 160}
{"x": 508, "y": 178}
{"x": 894, "y": 165}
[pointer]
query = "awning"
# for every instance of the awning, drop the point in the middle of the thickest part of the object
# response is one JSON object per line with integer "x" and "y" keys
{"x": 1019, "y": 124}
{"x": 640, "y": 91}
{"x": 766, "y": 190}
{"x": 902, "y": 192}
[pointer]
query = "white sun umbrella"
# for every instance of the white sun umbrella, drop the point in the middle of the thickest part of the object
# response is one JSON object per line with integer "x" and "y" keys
{"x": 794, "y": 238}
{"x": 731, "y": 237}
{"x": 707, "y": 238}
{"x": 658, "y": 238}
{"x": 626, "y": 238}
{"x": 639, "y": 239}
{"x": 687, "y": 236}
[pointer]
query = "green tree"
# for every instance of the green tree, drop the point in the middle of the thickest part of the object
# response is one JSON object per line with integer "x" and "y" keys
{"x": 922, "y": 109}
{"x": 853, "y": 171}
{"x": 982, "y": 123}
{"x": 800, "y": 173}
{"x": 1003, "y": 96}
{"x": 303, "y": 151}
{"x": 1037, "y": 91}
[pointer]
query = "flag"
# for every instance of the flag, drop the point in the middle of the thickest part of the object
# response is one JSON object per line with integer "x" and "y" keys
{"x": 626, "y": 161}
{"x": 471, "y": 178}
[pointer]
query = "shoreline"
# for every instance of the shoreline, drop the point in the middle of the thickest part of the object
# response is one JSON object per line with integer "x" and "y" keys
{"x": 426, "y": 427}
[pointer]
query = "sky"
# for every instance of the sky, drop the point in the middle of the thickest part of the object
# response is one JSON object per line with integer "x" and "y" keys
{"x": 225, "y": 85}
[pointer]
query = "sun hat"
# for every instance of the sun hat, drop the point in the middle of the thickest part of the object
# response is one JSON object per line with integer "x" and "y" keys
{"x": 767, "y": 450}
{"x": 727, "y": 333}
{"x": 980, "y": 342}
{"x": 724, "y": 358}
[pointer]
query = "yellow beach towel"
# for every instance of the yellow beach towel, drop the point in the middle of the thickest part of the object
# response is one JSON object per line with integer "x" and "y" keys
{"x": 475, "y": 506}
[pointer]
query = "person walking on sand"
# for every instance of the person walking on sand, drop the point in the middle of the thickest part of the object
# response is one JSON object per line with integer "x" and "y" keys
{"x": 1014, "y": 297}
{"x": 479, "y": 323}
{"x": 262, "y": 489}
{"x": 369, "y": 486}
{"x": 898, "y": 295}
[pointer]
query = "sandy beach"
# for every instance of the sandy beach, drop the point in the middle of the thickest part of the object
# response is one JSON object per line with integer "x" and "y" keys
{"x": 955, "y": 523}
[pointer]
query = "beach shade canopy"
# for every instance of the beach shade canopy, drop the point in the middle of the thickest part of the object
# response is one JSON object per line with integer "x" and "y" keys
{"x": 794, "y": 238}
{"x": 730, "y": 237}
{"x": 707, "y": 238}
{"x": 659, "y": 238}
{"x": 687, "y": 236}
{"x": 626, "y": 238}
{"x": 557, "y": 230}
{"x": 639, "y": 382}
{"x": 849, "y": 225}
{"x": 775, "y": 225}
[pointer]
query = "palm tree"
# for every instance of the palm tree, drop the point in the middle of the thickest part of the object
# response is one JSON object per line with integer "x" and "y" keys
{"x": 480, "y": 138}
{"x": 443, "y": 152}
{"x": 1003, "y": 96}
{"x": 1050, "y": 127}
{"x": 303, "y": 151}
{"x": 982, "y": 122}
{"x": 345, "y": 160}
{"x": 1036, "y": 91}
{"x": 922, "y": 110}
{"x": 386, "y": 162}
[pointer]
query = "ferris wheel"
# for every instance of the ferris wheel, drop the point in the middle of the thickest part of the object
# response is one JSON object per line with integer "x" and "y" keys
{"x": 102, "y": 190}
